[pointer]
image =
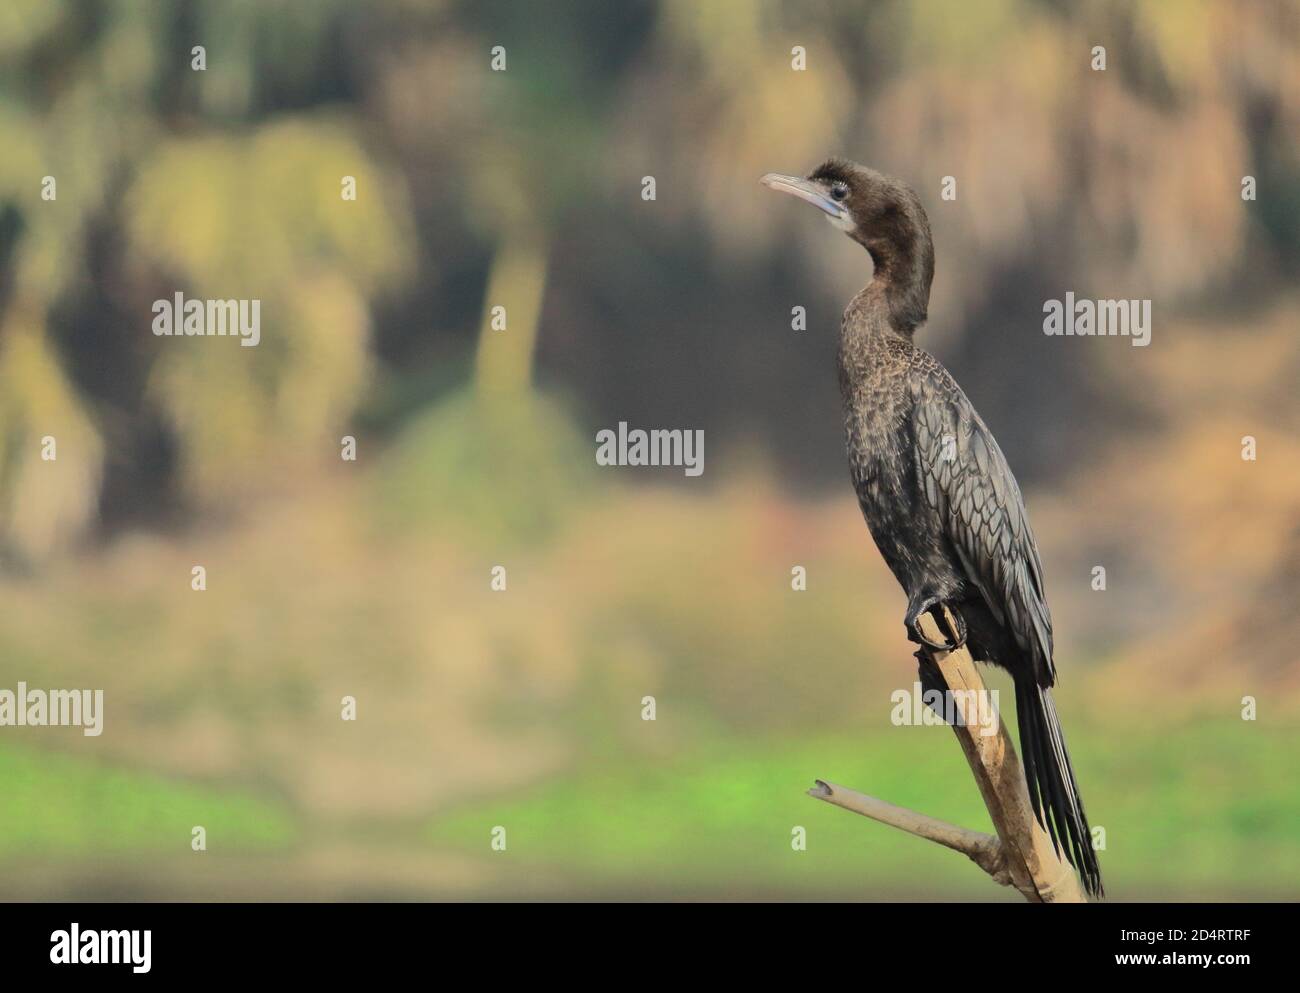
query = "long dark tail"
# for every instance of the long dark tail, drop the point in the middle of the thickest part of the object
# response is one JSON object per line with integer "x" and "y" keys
{"x": 1052, "y": 790}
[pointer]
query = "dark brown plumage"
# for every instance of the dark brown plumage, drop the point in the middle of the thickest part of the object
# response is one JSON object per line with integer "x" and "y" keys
{"x": 937, "y": 493}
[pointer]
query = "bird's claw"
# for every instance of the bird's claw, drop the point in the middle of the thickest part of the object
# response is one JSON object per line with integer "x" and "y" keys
{"x": 918, "y": 609}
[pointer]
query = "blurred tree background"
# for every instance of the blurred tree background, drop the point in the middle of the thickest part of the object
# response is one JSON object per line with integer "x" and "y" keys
{"x": 522, "y": 189}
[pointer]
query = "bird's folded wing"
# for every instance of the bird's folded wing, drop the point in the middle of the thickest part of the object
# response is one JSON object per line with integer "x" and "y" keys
{"x": 968, "y": 484}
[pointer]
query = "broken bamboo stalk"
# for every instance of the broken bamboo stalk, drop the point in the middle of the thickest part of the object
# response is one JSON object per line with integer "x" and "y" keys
{"x": 1022, "y": 854}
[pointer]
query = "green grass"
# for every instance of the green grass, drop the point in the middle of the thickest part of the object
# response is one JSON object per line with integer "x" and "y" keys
{"x": 60, "y": 805}
{"x": 1205, "y": 810}
{"x": 723, "y": 819}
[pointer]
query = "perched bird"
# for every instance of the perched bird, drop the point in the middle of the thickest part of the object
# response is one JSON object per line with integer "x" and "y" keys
{"x": 934, "y": 487}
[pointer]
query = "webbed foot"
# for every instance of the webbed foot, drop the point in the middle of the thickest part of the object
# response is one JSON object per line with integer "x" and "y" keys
{"x": 917, "y": 609}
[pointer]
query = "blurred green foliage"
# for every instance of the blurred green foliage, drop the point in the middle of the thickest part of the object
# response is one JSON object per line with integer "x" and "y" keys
{"x": 722, "y": 824}
{"x": 261, "y": 217}
{"x": 503, "y": 471}
{"x": 60, "y": 806}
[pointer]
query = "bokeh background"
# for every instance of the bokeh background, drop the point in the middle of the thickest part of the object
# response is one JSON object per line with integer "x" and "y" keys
{"x": 522, "y": 189}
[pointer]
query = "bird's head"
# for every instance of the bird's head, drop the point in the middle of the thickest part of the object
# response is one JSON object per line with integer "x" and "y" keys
{"x": 881, "y": 214}
{"x": 871, "y": 208}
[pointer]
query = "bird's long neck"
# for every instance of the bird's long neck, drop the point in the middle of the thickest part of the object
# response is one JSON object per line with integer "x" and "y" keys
{"x": 897, "y": 299}
{"x": 876, "y": 336}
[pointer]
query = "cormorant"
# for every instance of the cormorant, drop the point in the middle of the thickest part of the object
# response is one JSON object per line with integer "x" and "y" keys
{"x": 934, "y": 487}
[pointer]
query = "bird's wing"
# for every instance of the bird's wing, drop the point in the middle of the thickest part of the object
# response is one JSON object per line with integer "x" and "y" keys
{"x": 967, "y": 483}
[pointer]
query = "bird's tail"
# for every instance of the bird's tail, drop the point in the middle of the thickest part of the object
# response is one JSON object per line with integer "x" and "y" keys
{"x": 1052, "y": 790}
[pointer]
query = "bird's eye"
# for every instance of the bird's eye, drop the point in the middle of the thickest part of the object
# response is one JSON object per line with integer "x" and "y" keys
{"x": 839, "y": 191}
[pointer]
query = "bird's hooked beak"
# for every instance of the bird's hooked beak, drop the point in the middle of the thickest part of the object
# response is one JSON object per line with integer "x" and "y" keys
{"x": 807, "y": 190}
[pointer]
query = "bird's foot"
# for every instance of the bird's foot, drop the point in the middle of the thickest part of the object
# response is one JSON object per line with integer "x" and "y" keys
{"x": 954, "y": 632}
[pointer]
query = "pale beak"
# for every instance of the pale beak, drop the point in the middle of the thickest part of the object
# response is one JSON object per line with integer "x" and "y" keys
{"x": 806, "y": 190}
